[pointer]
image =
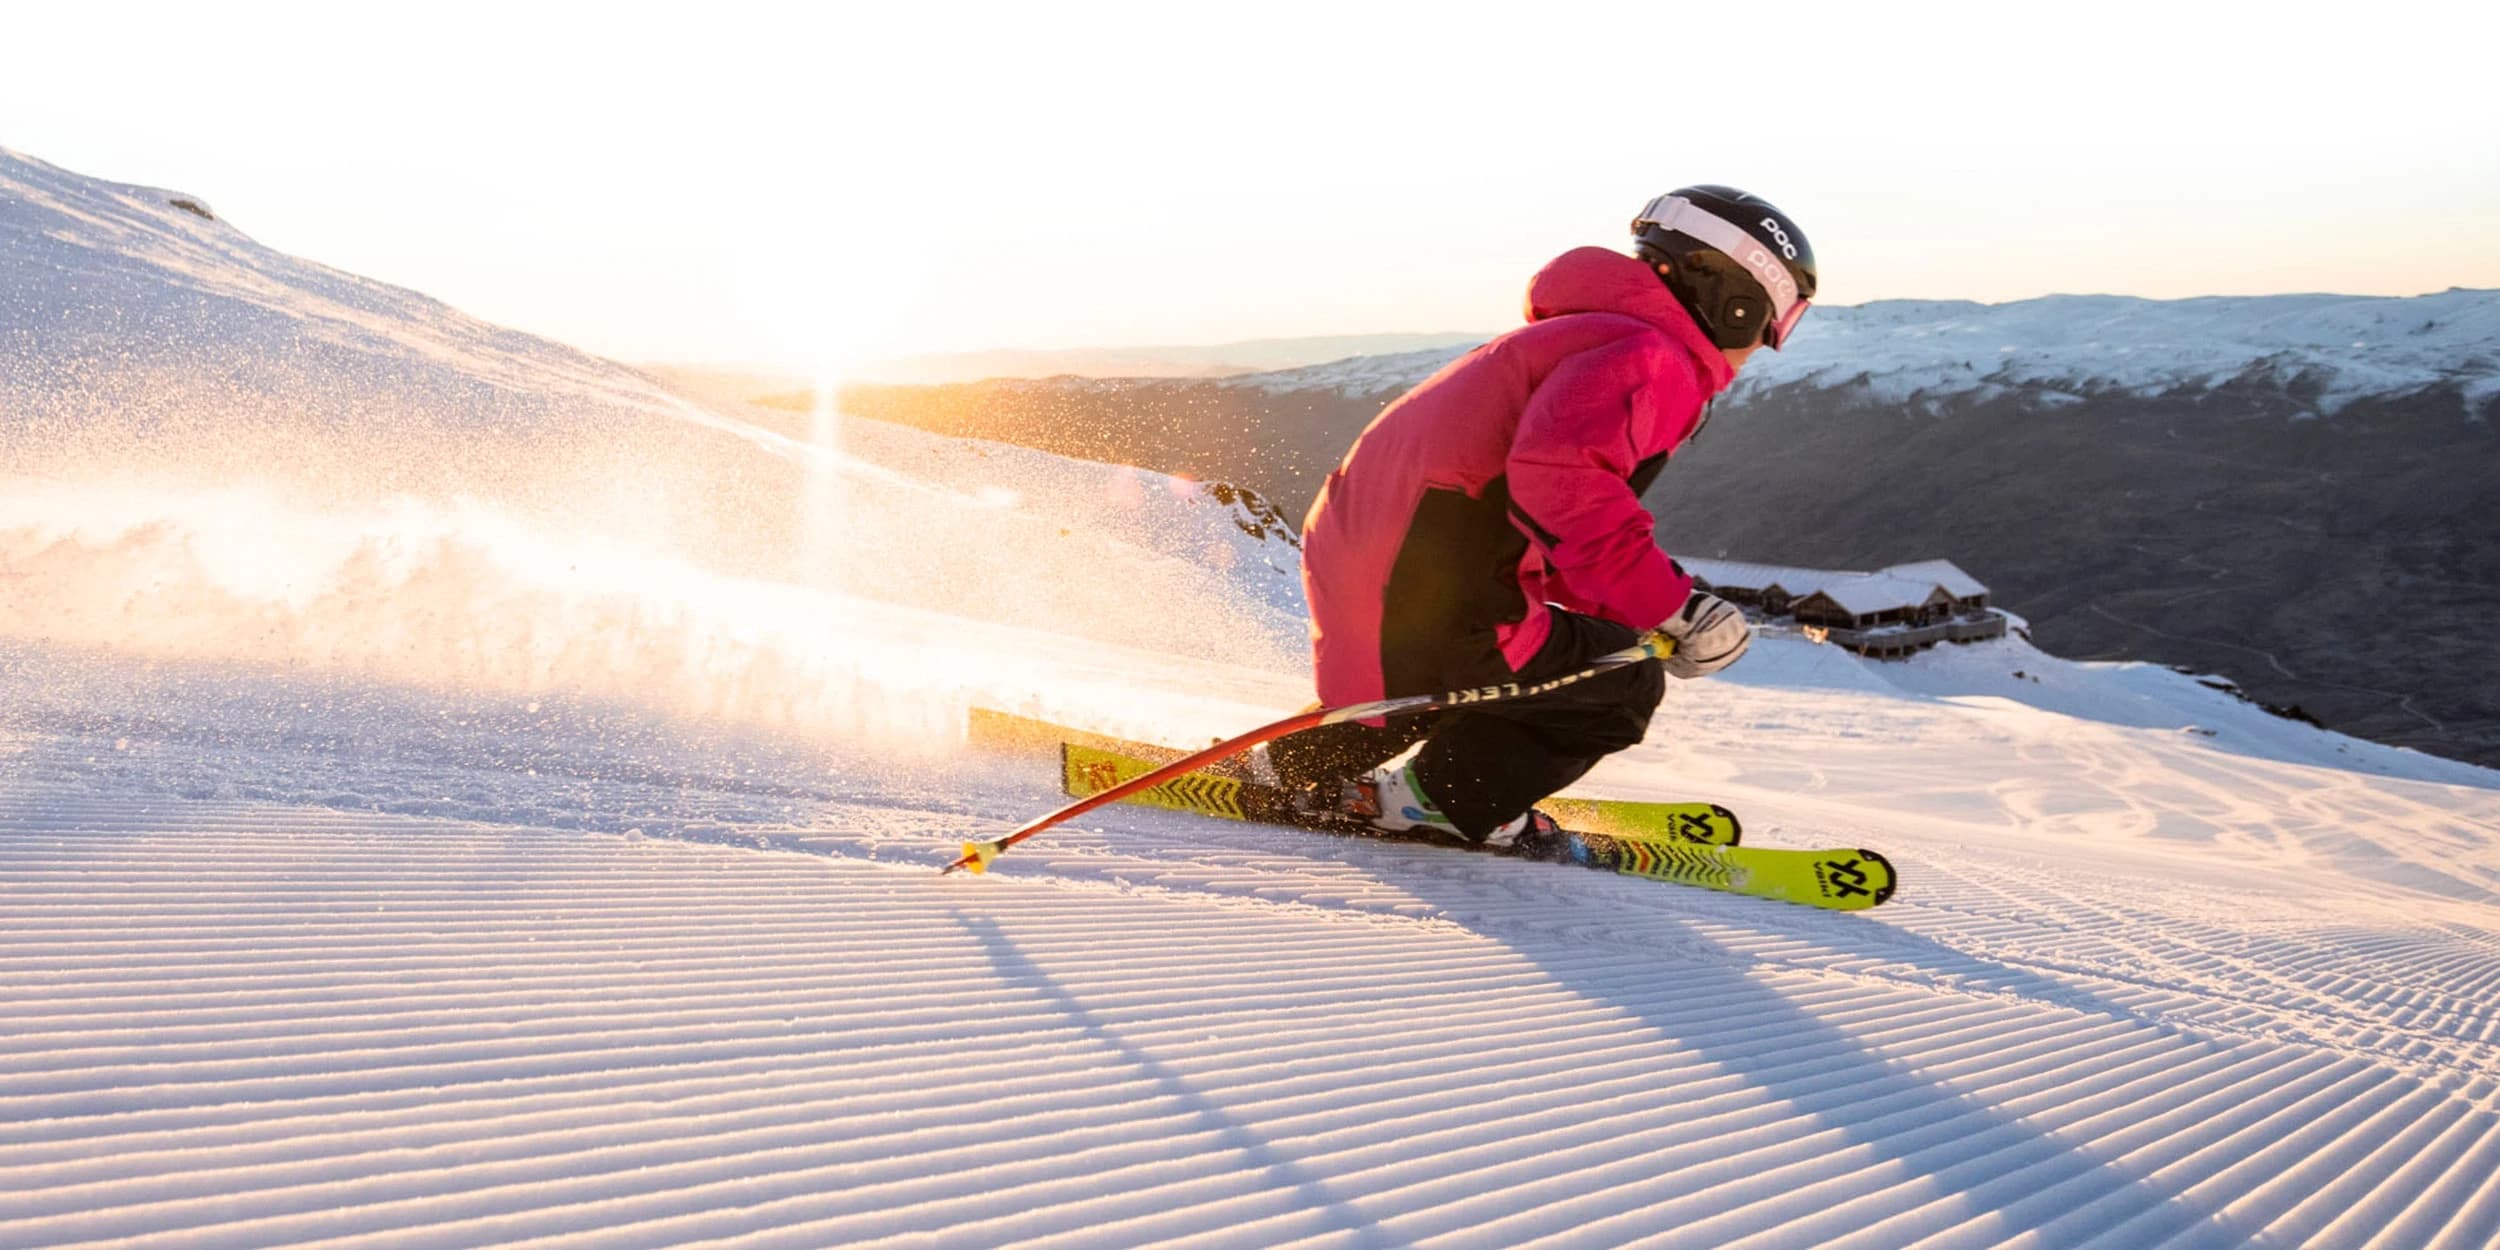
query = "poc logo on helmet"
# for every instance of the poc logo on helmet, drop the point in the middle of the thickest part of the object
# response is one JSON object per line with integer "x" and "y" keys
{"x": 1787, "y": 248}
{"x": 1773, "y": 275}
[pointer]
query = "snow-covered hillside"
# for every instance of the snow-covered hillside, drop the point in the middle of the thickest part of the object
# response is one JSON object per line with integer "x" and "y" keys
{"x": 2326, "y": 348}
{"x": 275, "y": 445}
{"x": 416, "y": 839}
{"x": 111, "y": 285}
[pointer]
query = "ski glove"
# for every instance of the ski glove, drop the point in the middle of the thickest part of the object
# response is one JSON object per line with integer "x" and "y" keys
{"x": 1709, "y": 633}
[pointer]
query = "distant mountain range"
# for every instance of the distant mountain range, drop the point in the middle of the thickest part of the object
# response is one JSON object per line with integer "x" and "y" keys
{"x": 738, "y": 383}
{"x": 1212, "y": 361}
{"x": 2293, "y": 491}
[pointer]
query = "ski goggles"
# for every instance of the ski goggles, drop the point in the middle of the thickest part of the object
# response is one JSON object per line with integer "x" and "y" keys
{"x": 1674, "y": 212}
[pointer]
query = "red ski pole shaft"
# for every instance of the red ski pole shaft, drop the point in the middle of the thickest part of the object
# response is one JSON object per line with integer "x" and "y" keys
{"x": 977, "y": 855}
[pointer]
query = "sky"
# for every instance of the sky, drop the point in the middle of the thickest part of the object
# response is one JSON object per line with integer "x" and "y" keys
{"x": 734, "y": 182}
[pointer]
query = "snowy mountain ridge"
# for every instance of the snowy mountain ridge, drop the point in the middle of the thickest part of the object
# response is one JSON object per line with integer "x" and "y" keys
{"x": 121, "y": 297}
{"x": 2327, "y": 349}
{"x": 106, "y": 276}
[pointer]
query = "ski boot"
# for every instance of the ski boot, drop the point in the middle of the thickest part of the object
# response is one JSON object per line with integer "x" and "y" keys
{"x": 1389, "y": 799}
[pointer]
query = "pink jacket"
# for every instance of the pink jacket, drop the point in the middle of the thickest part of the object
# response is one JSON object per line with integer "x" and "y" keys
{"x": 1507, "y": 481}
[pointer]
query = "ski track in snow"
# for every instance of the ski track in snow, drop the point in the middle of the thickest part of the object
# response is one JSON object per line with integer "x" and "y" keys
{"x": 2219, "y": 1013}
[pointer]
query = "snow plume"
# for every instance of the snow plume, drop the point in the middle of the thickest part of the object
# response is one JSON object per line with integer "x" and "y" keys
{"x": 691, "y": 567}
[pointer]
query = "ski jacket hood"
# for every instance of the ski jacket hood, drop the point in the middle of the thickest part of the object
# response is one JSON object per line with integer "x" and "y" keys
{"x": 1595, "y": 279}
{"x": 1506, "y": 482}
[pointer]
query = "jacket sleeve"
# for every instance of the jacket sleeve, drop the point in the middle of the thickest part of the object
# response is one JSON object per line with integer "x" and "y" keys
{"x": 1579, "y": 440}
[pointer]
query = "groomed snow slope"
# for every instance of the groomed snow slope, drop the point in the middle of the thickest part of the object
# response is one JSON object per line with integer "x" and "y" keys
{"x": 290, "y": 963}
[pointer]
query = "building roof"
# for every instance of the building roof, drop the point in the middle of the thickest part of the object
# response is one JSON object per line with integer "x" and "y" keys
{"x": 1869, "y": 593}
{"x": 1797, "y": 582}
{"x": 1944, "y": 573}
{"x": 1859, "y": 594}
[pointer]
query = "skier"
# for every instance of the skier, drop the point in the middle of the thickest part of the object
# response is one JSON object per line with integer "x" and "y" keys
{"x": 1487, "y": 526}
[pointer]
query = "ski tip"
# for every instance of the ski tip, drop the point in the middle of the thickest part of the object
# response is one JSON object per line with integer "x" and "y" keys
{"x": 1891, "y": 877}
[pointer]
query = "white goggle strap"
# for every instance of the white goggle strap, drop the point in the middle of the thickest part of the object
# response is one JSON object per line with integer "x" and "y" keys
{"x": 1674, "y": 212}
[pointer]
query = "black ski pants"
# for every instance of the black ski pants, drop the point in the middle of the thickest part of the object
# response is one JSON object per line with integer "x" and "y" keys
{"x": 1484, "y": 765}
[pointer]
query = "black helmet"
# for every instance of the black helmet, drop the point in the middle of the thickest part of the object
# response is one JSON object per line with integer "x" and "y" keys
{"x": 1738, "y": 264}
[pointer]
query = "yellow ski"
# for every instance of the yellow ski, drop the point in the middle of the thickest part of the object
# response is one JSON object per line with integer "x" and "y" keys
{"x": 1206, "y": 791}
{"x": 1652, "y": 846}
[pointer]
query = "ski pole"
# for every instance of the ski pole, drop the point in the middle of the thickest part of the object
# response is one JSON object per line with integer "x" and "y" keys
{"x": 977, "y": 855}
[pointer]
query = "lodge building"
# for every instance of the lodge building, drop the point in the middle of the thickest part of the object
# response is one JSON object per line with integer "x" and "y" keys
{"x": 1886, "y": 614}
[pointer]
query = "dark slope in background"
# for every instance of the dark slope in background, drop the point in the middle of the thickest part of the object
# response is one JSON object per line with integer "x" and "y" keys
{"x": 2316, "y": 527}
{"x": 2349, "y": 567}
